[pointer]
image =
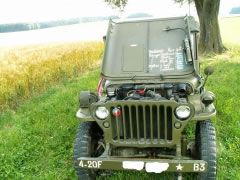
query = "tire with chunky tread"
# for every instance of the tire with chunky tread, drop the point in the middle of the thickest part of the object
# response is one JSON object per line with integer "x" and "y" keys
{"x": 206, "y": 148}
{"x": 83, "y": 148}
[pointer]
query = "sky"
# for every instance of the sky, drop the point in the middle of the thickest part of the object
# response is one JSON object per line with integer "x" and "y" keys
{"x": 43, "y": 10}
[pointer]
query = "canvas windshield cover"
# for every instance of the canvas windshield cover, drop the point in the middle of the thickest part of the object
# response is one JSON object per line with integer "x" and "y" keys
{"x": 148, "y": 47}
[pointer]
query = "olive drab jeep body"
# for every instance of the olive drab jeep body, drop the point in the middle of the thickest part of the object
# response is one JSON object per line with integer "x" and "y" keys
{"x": 149, "y": 92}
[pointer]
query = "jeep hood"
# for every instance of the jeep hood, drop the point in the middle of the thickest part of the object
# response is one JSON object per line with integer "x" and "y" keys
{"x": 147, "y": 47}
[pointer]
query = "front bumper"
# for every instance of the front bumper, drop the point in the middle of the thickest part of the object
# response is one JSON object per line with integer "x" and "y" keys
{"x": 148, "y": 165}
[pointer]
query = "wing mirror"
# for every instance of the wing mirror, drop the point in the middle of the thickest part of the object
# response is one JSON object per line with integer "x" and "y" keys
{"x": 208, "y": 71}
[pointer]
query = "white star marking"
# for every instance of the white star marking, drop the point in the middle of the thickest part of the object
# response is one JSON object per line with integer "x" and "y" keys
{"x": 179, "y": 167}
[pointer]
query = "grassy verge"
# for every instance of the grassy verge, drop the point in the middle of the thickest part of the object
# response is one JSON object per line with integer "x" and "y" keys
{"x": 225, "y": 84}
{"x": 36, "y": 140}
{"x": 25, "y": 71}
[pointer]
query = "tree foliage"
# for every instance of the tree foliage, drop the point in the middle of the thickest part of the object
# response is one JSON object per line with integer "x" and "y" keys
{"x": 117, "y": 3}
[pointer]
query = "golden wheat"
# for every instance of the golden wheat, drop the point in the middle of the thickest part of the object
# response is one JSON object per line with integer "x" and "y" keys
{"x": 26, "y": 70}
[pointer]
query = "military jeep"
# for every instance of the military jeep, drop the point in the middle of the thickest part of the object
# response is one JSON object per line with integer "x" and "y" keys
{"x": 150, "y": 93}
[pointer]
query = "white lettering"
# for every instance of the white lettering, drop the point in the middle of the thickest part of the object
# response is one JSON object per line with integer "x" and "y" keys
{"x": 202, "y": 167}
{"x": 99, "y": 164}
{"x": 81, "y": 164}
{"x": 195, "y": 167}
{"x": 90, "y": 164}
{"x": 199, "y": 167}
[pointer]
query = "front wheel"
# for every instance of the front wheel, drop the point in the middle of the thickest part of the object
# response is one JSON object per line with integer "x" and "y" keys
{"x": 206, "y": 148}
{"x": 87, "y": 145}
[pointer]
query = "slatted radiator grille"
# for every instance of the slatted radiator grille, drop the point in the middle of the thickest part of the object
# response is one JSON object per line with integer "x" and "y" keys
{"x": 142, "y": 123}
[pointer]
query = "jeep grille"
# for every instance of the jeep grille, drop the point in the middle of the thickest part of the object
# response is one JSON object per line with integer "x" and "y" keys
{"x": 146, "y": 123}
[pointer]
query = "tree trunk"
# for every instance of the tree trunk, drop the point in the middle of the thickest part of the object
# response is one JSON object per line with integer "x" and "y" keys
{"x": 210, "y": 37}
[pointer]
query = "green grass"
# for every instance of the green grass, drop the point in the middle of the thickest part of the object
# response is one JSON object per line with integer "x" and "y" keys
{"x": 36, "y": 141}
{"x": 225, "y": 84}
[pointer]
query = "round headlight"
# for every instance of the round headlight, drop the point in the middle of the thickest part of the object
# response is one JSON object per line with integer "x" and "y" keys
{"x": 183, "y": 112}
{"x": 102, "y": 112}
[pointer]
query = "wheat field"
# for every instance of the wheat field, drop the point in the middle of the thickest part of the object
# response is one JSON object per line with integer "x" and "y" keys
{"x": 31, "y": 69}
